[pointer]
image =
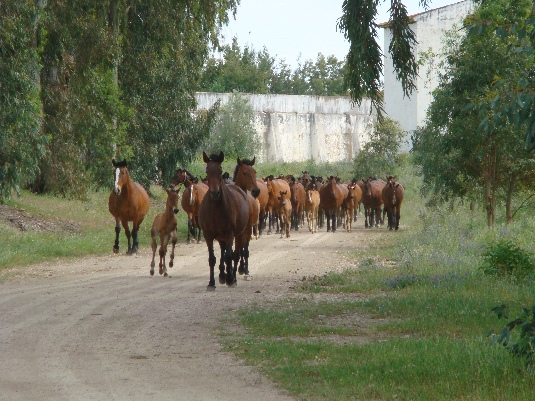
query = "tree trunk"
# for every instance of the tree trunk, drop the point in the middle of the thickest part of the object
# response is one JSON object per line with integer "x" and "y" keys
{"x": 509, "y": 200}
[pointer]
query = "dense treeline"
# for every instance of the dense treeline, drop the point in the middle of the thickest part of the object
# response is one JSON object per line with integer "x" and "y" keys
{"x": 253, "y": 71}
{"x": 85, "y": 81}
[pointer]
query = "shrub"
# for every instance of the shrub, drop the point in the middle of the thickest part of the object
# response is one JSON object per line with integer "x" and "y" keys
{"x": 505, "y": 259}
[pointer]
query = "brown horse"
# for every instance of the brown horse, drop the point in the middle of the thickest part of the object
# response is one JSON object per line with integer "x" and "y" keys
{"x": 298, "y": 198}
{"x": 181, "y": 175}
{"x": 350, "y": 204}
{"x": 128, "y": 202}
{"x": 223, "y": 216}
{"x": 393, "y": 193}
{"x": 274, "y": 187}
{"x": 331, "y": 198}
{"x": 372, "y": 200}
{"x": 245, "y": 178}
{"x": 164, "y": 228}
{"x": 284, "y": 208}
{"x": 312, "y": 204}
{"x": 191, "y": 202}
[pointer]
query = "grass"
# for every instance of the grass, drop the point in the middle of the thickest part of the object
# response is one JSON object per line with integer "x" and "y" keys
{"x": 92, "y": 233}
{"x": 412, "y": 321}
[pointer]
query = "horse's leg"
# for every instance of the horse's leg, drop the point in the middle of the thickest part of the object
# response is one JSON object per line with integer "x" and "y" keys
{"x": 229, "y": 259}
{"x": 198, "y": 228}
{"x": 222, "y": 274}
{"x": 173, "y": 244}
{"x": 366, "y": 217}
{"x": 128, "y": 235}
{"x": 398, "y": 215}
{"x": 163, "y": 250}
{"x": 153, "y": 246}
{"x": 190, "y": 228}
{"x": 117, "y": 231}
{"x": 135, "y": 241}
{"x": 211, "y": 262}
{"x": 334, "y": 220}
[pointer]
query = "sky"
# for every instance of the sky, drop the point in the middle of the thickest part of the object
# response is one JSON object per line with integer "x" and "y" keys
{"x": 293, "y": 30}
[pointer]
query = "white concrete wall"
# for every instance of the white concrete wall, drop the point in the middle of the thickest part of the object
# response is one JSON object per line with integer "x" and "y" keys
{"x": 429, "y": 28}
{"x": 299, "y": 128}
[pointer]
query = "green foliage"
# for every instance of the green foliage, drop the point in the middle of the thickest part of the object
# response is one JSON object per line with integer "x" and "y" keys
{"x": 233, "y": 131}
{"x": 503, "y": 258}
{"x": 524, "y": 345}
{"x": 380, "y": 156}
{"x": 465, "y": 148}
{"x": 21, "y": 141}
{"x": 250, "y": 71}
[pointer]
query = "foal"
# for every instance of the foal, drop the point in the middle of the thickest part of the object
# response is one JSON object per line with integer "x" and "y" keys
{"x": 164, "y": 226}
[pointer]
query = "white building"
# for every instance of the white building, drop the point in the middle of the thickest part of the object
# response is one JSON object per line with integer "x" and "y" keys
{"x": 429, "y": 28}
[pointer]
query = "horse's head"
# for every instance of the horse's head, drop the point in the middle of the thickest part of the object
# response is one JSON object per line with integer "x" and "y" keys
{"x": 282, "y": 198}
{"x": 351, "y": 189}
{"x": 245, "y": 176}
{"x": 173, "y": 199}
{"x": 214, "y": 173}
{"x": 121, "y": 176}
{"x": 332, "y": 181}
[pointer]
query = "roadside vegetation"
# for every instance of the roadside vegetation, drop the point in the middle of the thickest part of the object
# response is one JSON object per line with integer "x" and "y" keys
{"x": 412, "y": 322}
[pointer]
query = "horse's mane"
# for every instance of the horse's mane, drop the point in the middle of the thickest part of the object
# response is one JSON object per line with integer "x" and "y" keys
{"x": 217, "y": 157}
{"x": 119, "y": 164}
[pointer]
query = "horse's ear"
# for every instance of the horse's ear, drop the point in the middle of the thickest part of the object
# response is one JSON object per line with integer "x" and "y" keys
{"x": 221, "y": 157}
{"x": 239, "y": 161}
{"x": 205, "y": 157}
{"x": 252, "y": 161}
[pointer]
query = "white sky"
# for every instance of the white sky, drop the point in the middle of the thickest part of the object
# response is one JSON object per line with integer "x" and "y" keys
{"x": 300, "y": 29}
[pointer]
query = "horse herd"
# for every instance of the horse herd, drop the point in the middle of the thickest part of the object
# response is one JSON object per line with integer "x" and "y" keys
{"x": 232, "y": 211}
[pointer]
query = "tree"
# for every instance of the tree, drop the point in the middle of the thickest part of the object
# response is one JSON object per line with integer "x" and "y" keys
{"x": 380, "y": 156}
{"x": 465, "y": 148}
{"x": 233, "y": 131}
{"x": 364, "y": 59}
{"x": 21, "y": 141}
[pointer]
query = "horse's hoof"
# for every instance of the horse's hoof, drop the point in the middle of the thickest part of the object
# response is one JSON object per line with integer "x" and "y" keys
{"x": 170, "y": 264}
{"x": 232, "y": 285}
{"x": 115, "y": 250}
{"x": 152, "y": 273}
{"x": 166, "y": 275}
{"x": 210, "y": 287}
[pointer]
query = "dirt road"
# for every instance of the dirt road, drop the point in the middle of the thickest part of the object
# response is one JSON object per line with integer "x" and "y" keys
{"x": 103, "y": 329}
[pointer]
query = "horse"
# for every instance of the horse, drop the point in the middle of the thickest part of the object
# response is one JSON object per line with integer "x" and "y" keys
{"x": 392, "y": 198}
{"x": 297, "y": 197}
{"x": 284, "y": 208}
{"x": 350, "y": 204}
{"x": 164, "y": 227}
{"x": 224, "y": 216}
{"x": 274, "y": 186}
{"x": 312, "y": 203}
{"x": 331, "y": 198}
{"x": 181, "y": 175}
{"x": 245, "y": 178}
{"x": 128, "y": 201}
{"x": 191, "y": 201}
{"x": 372, "y": 200}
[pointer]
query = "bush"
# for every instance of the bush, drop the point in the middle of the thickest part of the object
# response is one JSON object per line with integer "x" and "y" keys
{"x": 505, "y": 259}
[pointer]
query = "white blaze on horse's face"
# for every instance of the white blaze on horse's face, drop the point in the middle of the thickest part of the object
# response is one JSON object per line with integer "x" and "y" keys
{"x": 116, "y": 185}
{"x": 191, "y": 198}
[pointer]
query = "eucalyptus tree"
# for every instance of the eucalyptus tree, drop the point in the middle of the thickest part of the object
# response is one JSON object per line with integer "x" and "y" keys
{"x": 465, "y": 148}
{"x": 21, "y": 142}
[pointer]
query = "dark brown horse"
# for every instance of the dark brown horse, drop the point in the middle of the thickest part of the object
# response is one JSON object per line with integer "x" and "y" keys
{"x": 191, "y": 203}
{"x": 128, "y": 202}
{"x": 164, "y": 230}
{"x": 393, "y": 193}
{"x": 372, "y": 200}
{"x": 331, "y": 198}
{"x": 223, "y": 216}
